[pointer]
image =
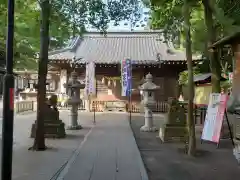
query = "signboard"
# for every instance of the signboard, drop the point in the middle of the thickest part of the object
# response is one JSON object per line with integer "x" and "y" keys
{"x": 126, "y": 77}
{"x": 90, "y": 85}
{"x": 214, "y": 117}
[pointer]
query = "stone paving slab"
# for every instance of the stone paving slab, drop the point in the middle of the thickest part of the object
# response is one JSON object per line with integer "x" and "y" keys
{"x": 110, "y": 153}
{"x": 30, "y": 165}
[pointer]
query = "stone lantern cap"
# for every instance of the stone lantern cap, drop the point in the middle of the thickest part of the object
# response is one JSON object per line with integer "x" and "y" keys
{"x": 149, "y": 85}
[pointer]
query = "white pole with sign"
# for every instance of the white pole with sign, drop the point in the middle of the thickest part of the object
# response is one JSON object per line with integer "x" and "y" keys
{"x": 90, "y": 85}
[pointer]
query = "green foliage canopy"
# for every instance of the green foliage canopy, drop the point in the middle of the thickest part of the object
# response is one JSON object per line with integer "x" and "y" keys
{"x": 68, "y": 18}
{"x": 167, "y": 15}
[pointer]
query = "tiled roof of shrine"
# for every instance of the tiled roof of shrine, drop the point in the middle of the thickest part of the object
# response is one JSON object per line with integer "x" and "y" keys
{"x": 203, "y": 77}
{"x": 140, "y": 47}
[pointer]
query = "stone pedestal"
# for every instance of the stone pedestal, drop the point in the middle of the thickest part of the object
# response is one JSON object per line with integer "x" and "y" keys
{"x": 53, "y": 126}
{"x": 175, "y": 127}
{"x": 74, "y": 119}
{"x": 52, "y": 129}
{"x": 148, "y": 126}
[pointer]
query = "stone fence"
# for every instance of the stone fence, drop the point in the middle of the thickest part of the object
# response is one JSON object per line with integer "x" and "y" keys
{"x": 135, "y": 107}
{"x": 23, "y": 106}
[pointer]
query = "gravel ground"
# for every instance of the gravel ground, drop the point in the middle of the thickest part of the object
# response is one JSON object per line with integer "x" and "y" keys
{"x": 168, "y": 162}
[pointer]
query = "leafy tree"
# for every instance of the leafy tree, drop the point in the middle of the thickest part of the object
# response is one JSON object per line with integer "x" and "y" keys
{"x": 167, "y": 15}
{"x": 68, "y": 18}
{"x": 39, "y": 141}
{"x": 209, "y": 21}
{"x": 211, "y": 38}
{"x": 173, "y": 16}
{"x": 191, "y": 124}
{"x": 65, "y": 19}
{"x": 27, "y": 31}
{"x": 97, "y": 14}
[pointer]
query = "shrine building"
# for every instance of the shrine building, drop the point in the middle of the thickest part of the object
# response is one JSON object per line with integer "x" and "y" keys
{"x": 148, "y": 53}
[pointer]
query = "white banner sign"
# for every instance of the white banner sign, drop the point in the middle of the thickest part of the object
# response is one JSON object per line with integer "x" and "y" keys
{"x": 90, "y": 85}
{"x": 214, "y": 117}
{"x": 126, "y": 74}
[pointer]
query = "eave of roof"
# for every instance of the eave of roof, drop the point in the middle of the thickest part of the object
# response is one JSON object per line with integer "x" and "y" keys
{"x": 226, "y": 40}
{"x": 63, "y": 63}
{"x": 74, "y": 42}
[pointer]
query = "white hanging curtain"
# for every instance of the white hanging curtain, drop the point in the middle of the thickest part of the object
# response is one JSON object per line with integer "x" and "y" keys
{"x": 103, "y": 80}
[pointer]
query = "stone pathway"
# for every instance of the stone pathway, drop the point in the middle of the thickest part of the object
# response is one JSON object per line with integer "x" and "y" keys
{"x": 30, "y": 165}
{"x": 105, "y": 151}
{"x": 109, "y": 153}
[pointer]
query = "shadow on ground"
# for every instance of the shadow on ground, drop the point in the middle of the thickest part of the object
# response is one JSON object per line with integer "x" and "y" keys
{"x": 168, "y": 162}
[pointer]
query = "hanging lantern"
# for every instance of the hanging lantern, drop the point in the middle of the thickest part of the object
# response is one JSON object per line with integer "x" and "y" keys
{"x": 109, "y": 82}
{"x": 114, "y": 83}
{"x": 103, "y": 80}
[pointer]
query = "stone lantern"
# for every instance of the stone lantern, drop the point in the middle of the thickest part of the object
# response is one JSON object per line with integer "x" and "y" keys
{"x": 74, "y": 100}
{"x": 148, "y": 101}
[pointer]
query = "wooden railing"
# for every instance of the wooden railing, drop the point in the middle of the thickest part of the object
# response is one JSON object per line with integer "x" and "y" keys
{"x": 161, "y": 107}
{"x": 97, "y": 106}
{"x": 200, "y": 114}
{"x": 81, "y": 106}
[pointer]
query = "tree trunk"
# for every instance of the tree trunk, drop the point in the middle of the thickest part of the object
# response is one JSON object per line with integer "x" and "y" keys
{"x": 39, "y": 141}
{"x": 190, "y": 117}
{"x": 213, "y": 54}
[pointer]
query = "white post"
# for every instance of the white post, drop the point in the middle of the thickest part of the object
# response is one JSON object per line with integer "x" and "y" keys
{"x": 22, "y": 83}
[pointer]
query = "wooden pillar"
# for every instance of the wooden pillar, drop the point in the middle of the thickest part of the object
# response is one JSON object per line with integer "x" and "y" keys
{"x": 236, "y": 87}
{"x": 236, "y": 71}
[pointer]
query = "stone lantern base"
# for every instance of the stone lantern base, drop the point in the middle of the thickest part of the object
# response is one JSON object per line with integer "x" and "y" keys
{"x": 148, "y": 129}
{"x": 148, "y": 126}
{"x": 77, "y": 127}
